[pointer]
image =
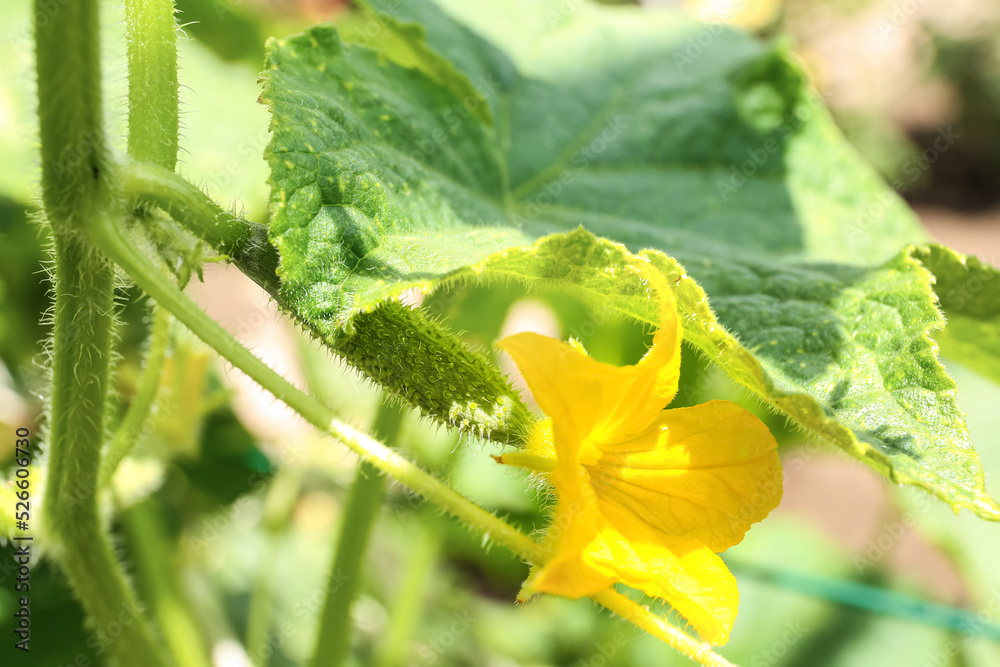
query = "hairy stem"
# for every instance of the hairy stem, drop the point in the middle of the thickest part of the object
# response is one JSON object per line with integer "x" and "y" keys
{"x": 649, "y": 622}
{"x": 333, "y": 641}
{"x": 77, "y": 190}
{"x": 153, "y": 129}
{"x": 418, "y": 371}
{"x": 110, "y": 236}
{"x": 114, "y": 241}
{"x": 131, "y": 427}
{"x": 245, "y": 242}
{"x": 75, "y": 156}
{"x": 152, "y": 81}
{"x": 80, "y": 378}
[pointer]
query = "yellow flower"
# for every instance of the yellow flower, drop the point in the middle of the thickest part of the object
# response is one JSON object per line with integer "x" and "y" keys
{"x": 644, "y": 496}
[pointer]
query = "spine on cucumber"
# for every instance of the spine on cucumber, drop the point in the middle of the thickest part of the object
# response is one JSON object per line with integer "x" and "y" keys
{"x": 425, "y": 365}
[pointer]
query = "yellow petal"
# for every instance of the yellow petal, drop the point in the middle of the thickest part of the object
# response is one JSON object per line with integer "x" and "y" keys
{"x": 664, "y": 357}
{"x": 566, "y": 383}
{"x": 706, "y": 473}
{"x": 572, "y": 531}
{"x": 592, "y": 555}
{"x": 686, "y": 574}
{"x": 568, "y": 576}
{"x": 587, "y": 399}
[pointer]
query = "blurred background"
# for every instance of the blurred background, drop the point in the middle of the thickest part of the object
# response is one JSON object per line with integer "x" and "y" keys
{"x": 230, "y": 507}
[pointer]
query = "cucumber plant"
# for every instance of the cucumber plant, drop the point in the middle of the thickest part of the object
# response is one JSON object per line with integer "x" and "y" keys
{"x": 426, "y": 145}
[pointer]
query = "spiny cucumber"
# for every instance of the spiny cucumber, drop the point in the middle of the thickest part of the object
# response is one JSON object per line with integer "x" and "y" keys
{"x": 425, "y": 365}
{"x": 410, "y": 355}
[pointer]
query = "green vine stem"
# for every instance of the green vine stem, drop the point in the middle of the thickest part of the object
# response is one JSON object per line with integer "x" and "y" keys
{"x": 244, "y": 242}
{"x": 77, "y": 190}
{"x": 279, "y": 505}
{"x": 158, "y": 581}
{"x": 152, "y": 81}
{"x": 113, "y": 239}
{"x": 80, "y": 381}
{"x": 652, "y": 624}
{"x": 130, "y": 429}
{"x": 405, "y": 614}
{"x": 153, "y": 129}
{"x": 492, "y": 410}
{"x": 333, "y": 641}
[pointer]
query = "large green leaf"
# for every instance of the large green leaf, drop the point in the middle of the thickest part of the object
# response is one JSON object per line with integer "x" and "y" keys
{"x": 390, "y": 176}
{"x": 969, "y": 293}
{"x": 643, "y": 126}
